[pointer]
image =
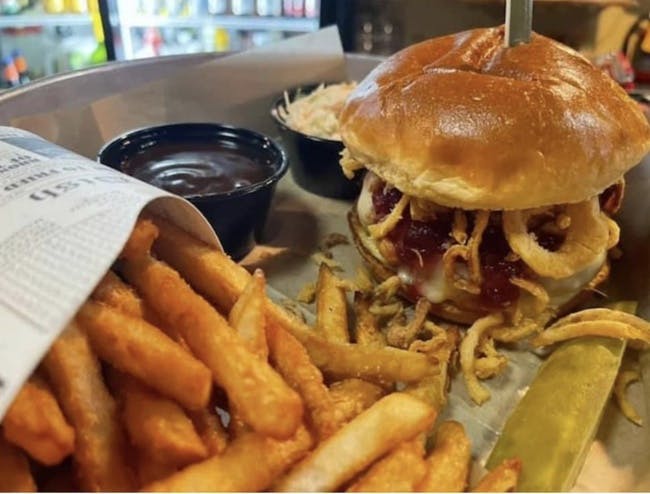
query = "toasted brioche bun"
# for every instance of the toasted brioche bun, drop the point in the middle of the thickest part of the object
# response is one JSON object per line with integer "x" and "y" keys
{"x": 464, "y": 311}
{"x": 464, "y": 122}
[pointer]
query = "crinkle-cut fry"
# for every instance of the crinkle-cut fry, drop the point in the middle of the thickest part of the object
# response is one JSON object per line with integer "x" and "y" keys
{"x": 76, "y": 378}
{"x": 136, "y": 347}
{"x": 209, "y": 427}
{"x": 292, "y": 361}
{"x": 331, "y": 307}
{"x": 247, "y": 316}
{"x": 15, "y": 475}
{"x": 366, "y": 327}
{"x": 609, "y": 328}
{"x": 353, "y": 396}
{"x": 35, "y": 422}
{"x": 142, "y": 237}
{"x": 447, "y": 466}
{"x": 250, "y": 383}
{"x": 370, "y": 435}
{"x": 401, "y": 470}
{"x": 502, "y": 478}
{"x": 250, "y": 463}
{"x": 477, "y": 392}
{"x": 220, "y": 279}
{"x": 156, "y": 425}
{"x": 623, "y": 380}
{"x": 401, "y": 336}
{"x": 112, "y": 291}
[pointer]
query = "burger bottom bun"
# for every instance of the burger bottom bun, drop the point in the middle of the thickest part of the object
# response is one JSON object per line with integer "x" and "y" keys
{"x": 464, "y": 311}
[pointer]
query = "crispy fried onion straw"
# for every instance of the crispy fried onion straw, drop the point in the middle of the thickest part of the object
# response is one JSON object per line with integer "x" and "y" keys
{"x": 386, "y": 225}
{"x": 597, "y": 322}
{"x": 586, "y": 238}
{"x": 468, "y": 346}
{"x": 535, "y": 289}
{"x": 459, "y": 227}
{"x": 349, "y": 165}
{"x": 613, "y": 229}
{"x": 623, "y": 380}
{"x": 401, "y": 336}
{"x": 469, "y": 254}
{"x": 491, "y": 363}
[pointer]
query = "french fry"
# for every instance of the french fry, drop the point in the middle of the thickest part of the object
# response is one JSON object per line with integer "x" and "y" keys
{"x": 112, "y": 291}
{"x": 142, "y": 350}
{"x": 293, "y": 363}
{"x": 35, "y": 422}
{"x": 142, "y": 237}
{"x": 157, "y": 426}
{"x": 15, "y": 475}
{"x": 399, "y": 471}
{"x": 222, "y": 281}
{"x": 149, "y": 470}
{"x": 447, "y": 466}
{"x": 353, "y": 396}
{"x": 395, "y": 418}
{"x": 251, "y": 384}
{"x": 250, "y": 463}
{"x": 209, "y": 427}
{"x": 366, "y": 325}
{"x": 331, "y": 307}
{"x": 247, "y": 316}
{"x": 75, "y": 375}
{"x": 502, "y": 478}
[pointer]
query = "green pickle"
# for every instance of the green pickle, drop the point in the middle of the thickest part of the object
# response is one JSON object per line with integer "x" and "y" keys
{"x": 554, "y": 424}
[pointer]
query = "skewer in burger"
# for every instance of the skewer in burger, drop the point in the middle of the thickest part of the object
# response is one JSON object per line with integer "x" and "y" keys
{"x": 492, "y": 172}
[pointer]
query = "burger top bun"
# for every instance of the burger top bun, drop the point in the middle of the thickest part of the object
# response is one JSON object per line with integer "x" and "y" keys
{"x": 466, "y": 122}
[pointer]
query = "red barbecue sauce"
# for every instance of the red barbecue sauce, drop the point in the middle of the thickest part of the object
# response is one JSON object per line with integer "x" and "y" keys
{"x": 432, "y": 238}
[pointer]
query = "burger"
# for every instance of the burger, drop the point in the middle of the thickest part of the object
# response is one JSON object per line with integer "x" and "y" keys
{"x": 493, "y": 173}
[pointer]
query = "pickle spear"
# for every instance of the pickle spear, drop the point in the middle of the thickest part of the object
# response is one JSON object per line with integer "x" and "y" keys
{"x": 554, "y": 424}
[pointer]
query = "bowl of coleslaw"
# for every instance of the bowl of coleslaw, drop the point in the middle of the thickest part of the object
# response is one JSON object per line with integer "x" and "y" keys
{"x": 307, "y": 118}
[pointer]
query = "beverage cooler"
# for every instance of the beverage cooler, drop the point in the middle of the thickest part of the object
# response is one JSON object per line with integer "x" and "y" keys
{"x": 44, "y": 37}
{"x": 147, "y": 28}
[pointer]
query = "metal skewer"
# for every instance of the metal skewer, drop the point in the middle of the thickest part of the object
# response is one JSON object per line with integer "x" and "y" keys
{"x": 519, "y": 21}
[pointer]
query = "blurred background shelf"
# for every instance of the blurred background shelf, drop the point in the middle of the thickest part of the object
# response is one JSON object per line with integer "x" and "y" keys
{"x": 31, "y": 20}
{"x": 288, "y": 24}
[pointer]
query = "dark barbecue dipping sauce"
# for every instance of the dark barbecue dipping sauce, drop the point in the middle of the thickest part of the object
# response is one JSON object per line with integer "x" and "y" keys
{"x": 196, "y": 169}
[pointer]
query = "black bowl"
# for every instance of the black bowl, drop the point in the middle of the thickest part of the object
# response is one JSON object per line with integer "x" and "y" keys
{"x": 314, "y": 160}
{"x": 188, "y": 159}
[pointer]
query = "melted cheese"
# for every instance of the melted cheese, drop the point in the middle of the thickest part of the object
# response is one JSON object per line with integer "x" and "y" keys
{"x": 436, "y": 288}
{"x": 365, "y": 209}
{"x": 562, "y": 290}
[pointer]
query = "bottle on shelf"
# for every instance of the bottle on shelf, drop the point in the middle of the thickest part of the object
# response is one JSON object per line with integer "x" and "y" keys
{"x": 21, "y": 66}
{"x": 312, "y": 8}
{"x": 243, "y": 7}
{"x": 54, "y": 6}
{"x": 269, "y": 8}
{"x": 76, "y": 6}
{"x": 298, "y": 8}
{"x": 10, "y": 76}
{"x": 217, "y": 7}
